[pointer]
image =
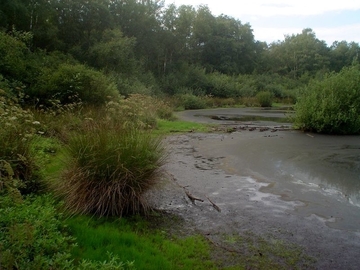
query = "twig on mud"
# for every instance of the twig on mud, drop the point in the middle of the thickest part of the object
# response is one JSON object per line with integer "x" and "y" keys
{"x": 217, "y": 208}
{"x": 191, "y": 197}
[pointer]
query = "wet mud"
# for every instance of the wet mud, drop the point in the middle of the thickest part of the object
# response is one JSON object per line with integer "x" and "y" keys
{"x": 286, "y": 185}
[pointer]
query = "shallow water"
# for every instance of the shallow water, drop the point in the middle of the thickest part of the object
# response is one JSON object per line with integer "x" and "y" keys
{"x": 321, "y": 171}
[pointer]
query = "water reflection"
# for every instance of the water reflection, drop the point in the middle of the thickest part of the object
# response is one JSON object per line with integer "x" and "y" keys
{"x": 334, "y": 173}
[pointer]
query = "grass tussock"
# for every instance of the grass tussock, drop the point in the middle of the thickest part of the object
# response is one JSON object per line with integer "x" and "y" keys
{"x": 109, "y": 169}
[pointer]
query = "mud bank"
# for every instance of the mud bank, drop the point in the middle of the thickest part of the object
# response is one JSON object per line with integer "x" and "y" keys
{"x": 237, "y": 177}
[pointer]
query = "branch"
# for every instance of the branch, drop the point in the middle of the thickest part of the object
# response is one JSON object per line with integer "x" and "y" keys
{"x": 217, "y": 208}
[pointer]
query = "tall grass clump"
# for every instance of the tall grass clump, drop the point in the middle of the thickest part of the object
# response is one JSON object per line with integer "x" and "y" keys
{"x": 332, "y": 105}
{"x": 264, "y": 98}
{"x": 109, "y": 168}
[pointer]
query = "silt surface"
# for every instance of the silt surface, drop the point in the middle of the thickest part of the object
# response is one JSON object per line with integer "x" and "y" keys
{"x": 272, "y": 181}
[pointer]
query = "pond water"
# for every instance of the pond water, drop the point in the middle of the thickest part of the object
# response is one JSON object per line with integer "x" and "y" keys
{"x": 321, "y": 171}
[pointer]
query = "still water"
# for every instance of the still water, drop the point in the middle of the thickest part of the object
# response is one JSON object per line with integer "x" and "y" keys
{"x": 320, "y": 171}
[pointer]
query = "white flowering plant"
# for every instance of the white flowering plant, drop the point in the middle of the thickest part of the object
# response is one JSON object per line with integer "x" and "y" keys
{"x": 18, "y": 129}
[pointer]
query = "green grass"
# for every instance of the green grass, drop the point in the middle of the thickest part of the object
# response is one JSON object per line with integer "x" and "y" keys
{"x": 47, "y": 152}
{"x": 132, "y": 241}
{"x": 168, "y": 127}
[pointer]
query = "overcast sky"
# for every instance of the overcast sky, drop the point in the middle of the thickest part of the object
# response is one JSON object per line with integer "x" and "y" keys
{"x": 272, "y": 19}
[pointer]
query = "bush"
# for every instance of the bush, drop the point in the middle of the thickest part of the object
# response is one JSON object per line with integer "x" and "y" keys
{"x": 221, "y": 85}
{"x": 332, "y": 105}
{"x": 190, "y": 102}
{"x": 264, "y": 98}
{"x": 13, "y": 55}
{"x": 108, "y": 169}
{"x": 32, "y": 235}
{"x": 67, "y": 81}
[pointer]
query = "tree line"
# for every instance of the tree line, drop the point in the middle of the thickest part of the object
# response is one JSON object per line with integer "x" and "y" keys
{"x": 144, "y": 45}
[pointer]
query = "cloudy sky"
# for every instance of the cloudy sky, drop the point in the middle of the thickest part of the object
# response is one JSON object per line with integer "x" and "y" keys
{"x": 272, "y": 19}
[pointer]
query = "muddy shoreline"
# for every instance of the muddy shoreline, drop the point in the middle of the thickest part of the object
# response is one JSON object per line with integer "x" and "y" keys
{"x": 205, "y": 166}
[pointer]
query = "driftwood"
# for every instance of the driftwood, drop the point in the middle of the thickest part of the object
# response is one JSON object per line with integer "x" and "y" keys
{"x": 191, "y": 197}
{"x": 217, "y": 208}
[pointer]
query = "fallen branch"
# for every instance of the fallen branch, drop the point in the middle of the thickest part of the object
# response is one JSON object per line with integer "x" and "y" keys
{"x": 217, "y": 208}
{"x": 191, "y": 197}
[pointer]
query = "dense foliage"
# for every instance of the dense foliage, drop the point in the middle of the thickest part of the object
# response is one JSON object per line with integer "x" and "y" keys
{"x": 32, "y": 235}
{"x": 52, "y": 48}
{"x": 331, "y": 105}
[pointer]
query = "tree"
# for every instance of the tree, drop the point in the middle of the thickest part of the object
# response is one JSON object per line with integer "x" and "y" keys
{"x": 343, "y": 54}
{"x": 299, "y": 54}
{"x": 231, "y": 47}
{"x": 114, "y": 52}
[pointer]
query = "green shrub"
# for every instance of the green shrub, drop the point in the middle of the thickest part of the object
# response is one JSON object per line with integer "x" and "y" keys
{"x": 221, "y": 85}
{"x": 13, "y": 54}
{"x": 108, "y": 169}
{"x": 264, "y": 98}
{"x": 32, "y": 235}
{"x": 332, "y": 105}
{"x": 190, "y": 102}
{"x": 67, "y": 81}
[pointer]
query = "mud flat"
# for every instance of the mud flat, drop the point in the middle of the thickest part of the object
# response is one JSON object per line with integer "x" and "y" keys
{"x": 288, "y": 186}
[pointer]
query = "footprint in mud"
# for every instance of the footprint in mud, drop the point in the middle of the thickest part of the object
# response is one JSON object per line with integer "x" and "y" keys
{"x": 207, "y": 163}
